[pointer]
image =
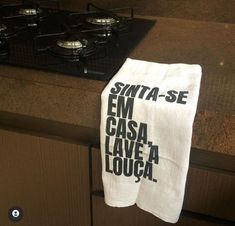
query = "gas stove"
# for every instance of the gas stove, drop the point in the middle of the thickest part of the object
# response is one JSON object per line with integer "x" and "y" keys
{"x": 91, "y": 43}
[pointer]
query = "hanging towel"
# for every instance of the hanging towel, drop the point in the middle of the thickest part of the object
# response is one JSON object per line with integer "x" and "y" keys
{"x": 147, "y": 115}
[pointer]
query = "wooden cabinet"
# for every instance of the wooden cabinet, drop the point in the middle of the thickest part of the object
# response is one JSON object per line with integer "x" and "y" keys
{"x": 209, "y": 194}
{"x": 48, "y": 179}
{"x": 133, "y": 216}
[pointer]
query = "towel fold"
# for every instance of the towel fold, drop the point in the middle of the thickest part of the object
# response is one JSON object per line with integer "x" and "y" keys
{"x": 147, "y": 115}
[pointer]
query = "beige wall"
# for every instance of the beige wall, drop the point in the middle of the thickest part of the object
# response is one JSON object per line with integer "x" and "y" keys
{"x": 209, "y": 10}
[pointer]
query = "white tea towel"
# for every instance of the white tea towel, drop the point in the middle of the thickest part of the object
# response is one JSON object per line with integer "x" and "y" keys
{"x": 147, "y": 115}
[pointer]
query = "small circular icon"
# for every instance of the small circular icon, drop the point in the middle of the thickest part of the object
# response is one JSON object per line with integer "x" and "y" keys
{"x": 15, "y": 213}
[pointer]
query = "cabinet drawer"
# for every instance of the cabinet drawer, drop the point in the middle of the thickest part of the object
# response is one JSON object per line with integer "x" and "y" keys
{"x": 207, "y": 192}
{"x": 104, "y": 215}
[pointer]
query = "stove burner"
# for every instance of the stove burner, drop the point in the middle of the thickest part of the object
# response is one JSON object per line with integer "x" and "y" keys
{"x": 24, "y": 15}
{"x": 29, "y": 12}
{"x": 90, "y": 43}
{"x": 102, "y": 21}
{"x": 102, "y": 25}
{"x": 3, "y": 27}
{"x": 73, "y": 47}
{"x": 6, "y": 31}
{"x": 76, "y": 44}
{"x": 4, "y": 49}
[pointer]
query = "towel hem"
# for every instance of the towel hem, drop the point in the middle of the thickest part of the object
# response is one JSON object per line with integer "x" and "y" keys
{"x": 118, "y": 203}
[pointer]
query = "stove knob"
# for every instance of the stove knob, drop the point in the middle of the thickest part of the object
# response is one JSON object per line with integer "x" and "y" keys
{"x": 15, "y": 214}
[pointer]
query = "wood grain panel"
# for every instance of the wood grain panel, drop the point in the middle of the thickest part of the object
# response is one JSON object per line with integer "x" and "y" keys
{"x": 104, "y": 215}
{"x": 211, "y": 193}
{"x": 208, "y": 191}
{"x": 96, "y": 170}
{"x": 47, "y": 178}
{"x": 210, "y": 10}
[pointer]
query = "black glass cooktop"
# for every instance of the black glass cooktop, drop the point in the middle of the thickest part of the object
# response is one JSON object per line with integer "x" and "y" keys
{"x": 91, "y": 43}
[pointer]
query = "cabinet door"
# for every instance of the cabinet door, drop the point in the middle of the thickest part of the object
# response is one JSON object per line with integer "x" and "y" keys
{"x": 211, "y": 193}
{"x": 48, "y": 179}
{"x": 207, "y": 192}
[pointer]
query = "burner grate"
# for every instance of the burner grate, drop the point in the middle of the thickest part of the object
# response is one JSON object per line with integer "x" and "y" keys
{"x": 92, "y": 44}
{"x": 103, "y": 23}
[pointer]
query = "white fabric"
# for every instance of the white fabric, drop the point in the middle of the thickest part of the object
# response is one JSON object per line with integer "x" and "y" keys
{"x": 155, "y": 122}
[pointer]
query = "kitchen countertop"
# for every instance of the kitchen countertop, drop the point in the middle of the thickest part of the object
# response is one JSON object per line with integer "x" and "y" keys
{"x": 70, "y": 107}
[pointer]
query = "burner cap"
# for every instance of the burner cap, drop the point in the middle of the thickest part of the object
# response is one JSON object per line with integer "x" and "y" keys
{"x": 4, "y": 50}
{"x": 71, "y": 44}
{"x": 101, "y": 20}
{"x": 29, "y": 12}
{"x": 3, "y": 27}
{"x": 73, "y": 47}
{"x": 6, "y": 31}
